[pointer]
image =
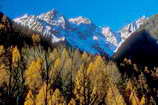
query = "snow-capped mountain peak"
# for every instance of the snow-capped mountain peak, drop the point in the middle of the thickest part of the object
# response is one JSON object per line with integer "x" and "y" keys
{"x": 50, "y": 15}
{"x": 110, "y": 35}
{"x": 79, "y": 32}
{"x": 106, "y": 30}
{"x": 132, "y": 27}
{"x": 80, "y": 20}
{"x": 22, "y": 17}
{"x": 141, "y": 20}
{"x": 53, "y": 17}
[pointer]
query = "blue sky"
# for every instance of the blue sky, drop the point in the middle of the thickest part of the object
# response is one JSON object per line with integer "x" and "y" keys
{"x": 113, "y": 13}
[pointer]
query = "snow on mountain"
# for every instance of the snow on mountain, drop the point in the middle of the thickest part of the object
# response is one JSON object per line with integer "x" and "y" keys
{"x": 49, "y": 24}
{"x": 126, "y": 31}
{"x": 80, "y": 20}
{"x": 111, "y": 36}
{"x": 79, "y": 32}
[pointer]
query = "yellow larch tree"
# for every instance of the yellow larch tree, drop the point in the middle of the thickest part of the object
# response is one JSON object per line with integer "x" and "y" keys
{"x": 96, "y": 66}
{"x": 55, "y": 71}
{"x": 129, "y": 85}
{"x": 54, "y": 54}
{"x": 57, "y": 64}
{"x": 72, "y": 102}
{"x": 80, "y": 85}
{"x": 4, "y": 75}
{"x": 90, "y": 68}
{"x": 133, "y": 99}
{"x": 2, "y": 27}
{"x": 36, "y": 38}
{"x": 2, "y": 50}
{"x": 112, "y": 72}
{"x": 67, "y": 69}
{"x": 64, "y": 55}
{"x": 33, "y": 78}
{"x": 76, "y": 58}
{"x": 98, "y": 78}
{"x": 85, "y": 58}
{"x": 67, "y": 78}
{"x": 68, "y": 64}
{"x": 43, "y": 96}
{"x": 15, "y": 56}
{"x": 56, "y": 98}
{"x": 99, "y": 87}
{"x": 29, "y": 100}
{"x": 143, "y": 101}
{"x": 113, "y": 96}
{"x": 98, "y": 63}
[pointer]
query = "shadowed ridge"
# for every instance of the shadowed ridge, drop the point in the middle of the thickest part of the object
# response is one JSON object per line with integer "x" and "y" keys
{"x": 140, "y": 47}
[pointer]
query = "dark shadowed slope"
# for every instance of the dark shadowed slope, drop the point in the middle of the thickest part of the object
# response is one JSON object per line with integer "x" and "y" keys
{"x": 141, "y": 47}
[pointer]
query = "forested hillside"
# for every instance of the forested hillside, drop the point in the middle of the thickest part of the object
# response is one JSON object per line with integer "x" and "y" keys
{"x": 35, "y": 72}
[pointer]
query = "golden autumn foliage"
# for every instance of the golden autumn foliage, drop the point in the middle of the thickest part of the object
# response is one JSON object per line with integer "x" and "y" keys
{"x": 56, "y": 98}
{"x": 96, "y": 66}
{"x": 4, "y": 75}
{"x": 67, "y": 70}
{"x": 68, "y": 64}
{"x": 54, "y": 54}
{"x": 84, "y": 57}
{"x": 98, "y": 62}
{"x": 143, "y": 101}
{"x": 114, "y": 97}
{"x": 90, "y": 68}
{"x": 80, "y": 85}
{"x": 2, "y": 50}
{"x": 133, "y": 99}
{"x": 99, "y": 87}
{"x": 29, "y": 100}
{"x": 129, "y": 85}
{"x": 15, "y": 56}
{"x": 54, "y": 71}
{"x": 72, "y": 102}
{"x": 64, "y": 54}
{"x": 57, "y": 64}
{"x": 112, "y": 72}
{"x": 33, "y": 74}
{"x": 2, "y": 26}
{"x": 36, "y": 38}
{"x": 59, "y": 77}
{"x": 43, "y": 96}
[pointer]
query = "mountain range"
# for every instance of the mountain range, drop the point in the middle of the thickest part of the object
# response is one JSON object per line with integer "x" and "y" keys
{"x": 48, "y": 52}
{"x": 79, "y": 32}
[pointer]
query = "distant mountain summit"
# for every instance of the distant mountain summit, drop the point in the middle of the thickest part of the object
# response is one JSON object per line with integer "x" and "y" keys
{"x": 130, "y": 28}
{"x": 79, "y": 32}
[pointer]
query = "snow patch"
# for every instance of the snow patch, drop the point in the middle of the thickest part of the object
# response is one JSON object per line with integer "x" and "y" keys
{"x": 95, "y": 38}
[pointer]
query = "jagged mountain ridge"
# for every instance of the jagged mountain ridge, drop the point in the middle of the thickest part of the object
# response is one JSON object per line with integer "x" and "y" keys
{"x": 79, "y": 32}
